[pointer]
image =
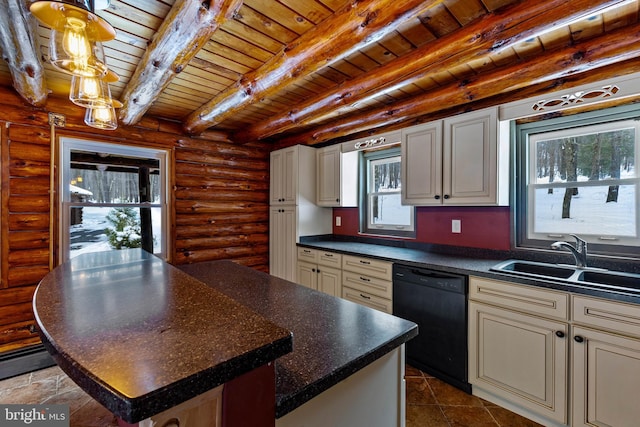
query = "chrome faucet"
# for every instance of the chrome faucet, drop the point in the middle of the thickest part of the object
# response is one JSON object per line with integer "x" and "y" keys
{"x": 579, "y": 251}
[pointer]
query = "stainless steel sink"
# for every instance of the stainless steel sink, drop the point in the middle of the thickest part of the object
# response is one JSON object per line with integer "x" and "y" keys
{"x": 610, "y": 278}
{"x": 570, "y": 274}
{"x": 538, "y": 269}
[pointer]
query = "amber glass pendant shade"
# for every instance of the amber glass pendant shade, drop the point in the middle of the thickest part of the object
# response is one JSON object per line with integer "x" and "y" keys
{"x": 76, "y": 35}
{"x": 101, "y": 118}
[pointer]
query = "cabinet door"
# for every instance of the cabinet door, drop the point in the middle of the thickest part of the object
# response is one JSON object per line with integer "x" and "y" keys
{"x": 307, "y": 274}
{"x": 328, "y": 179}
{"x": 282, "y": 242}
{"x": 283, "y": 176}
{"x": 329, "y": 280}
{"x": 470, "y": 158}
{"x": 519, "y": 358}
{"x": 606, "y": 370}
{"x": 421, "y": 152}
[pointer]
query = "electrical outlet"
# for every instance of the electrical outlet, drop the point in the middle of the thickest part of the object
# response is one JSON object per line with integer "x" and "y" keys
{"x": 456, "y": 226}
{"x": 338, "y": 221}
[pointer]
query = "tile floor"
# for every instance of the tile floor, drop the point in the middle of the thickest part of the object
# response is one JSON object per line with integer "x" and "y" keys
{"x": 430, "y": 402}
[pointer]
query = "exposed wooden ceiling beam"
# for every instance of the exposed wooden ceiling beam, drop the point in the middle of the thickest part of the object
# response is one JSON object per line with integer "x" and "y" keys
{"x": 18, "y": 33}
{"x": 615, "y": 47}
{"x": 352, "y": 27}
{"x": 504, "y": 27}
{"x": 186, "y": 29}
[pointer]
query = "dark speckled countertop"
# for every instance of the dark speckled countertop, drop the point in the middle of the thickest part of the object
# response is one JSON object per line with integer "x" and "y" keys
{"x": 332, "y": 338}
{"x": 468, "y": 262}
{"x": 141, "y": 336}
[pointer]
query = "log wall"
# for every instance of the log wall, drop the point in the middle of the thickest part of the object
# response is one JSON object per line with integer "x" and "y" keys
{"x": 220, "y": 200}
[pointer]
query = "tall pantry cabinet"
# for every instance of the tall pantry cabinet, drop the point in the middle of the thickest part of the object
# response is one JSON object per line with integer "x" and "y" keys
{"x": 293, "y": 212}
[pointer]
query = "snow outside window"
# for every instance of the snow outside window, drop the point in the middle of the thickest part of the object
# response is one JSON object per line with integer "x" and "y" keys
{"x": 584, "y": 181}
{"x": 385, "y": 213}
{"x": 112, "y": 197}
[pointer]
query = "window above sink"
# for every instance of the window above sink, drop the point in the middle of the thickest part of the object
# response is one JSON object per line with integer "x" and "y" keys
{"x": 578, "y": 175}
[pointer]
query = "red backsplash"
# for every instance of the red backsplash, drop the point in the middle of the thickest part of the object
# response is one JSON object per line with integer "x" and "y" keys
{"x": 482, "y": 227}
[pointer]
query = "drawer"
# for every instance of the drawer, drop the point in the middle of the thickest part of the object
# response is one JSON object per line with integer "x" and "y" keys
{"x": 604, "y": 314}
{"x": 367, "y": 266}
{"x": 366, "y": 299}
{"x": 528, "y": 299}
{"x": 372, "y": 285}
{"x": 308, "y": 255}
{"x": 330, "y": 259}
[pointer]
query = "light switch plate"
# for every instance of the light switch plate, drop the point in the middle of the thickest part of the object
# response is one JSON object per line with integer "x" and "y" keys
{"x": 338, "y": 221}
{"x": 456, "y": 226}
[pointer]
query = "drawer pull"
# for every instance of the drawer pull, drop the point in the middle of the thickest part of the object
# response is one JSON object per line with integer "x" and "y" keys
{"x": 364, "y": 279}
{"x": 365, "y": 262}
{"x": 306, "y": 251}
{"x": 328, "y": 255}
{"x": 365, "y": 296}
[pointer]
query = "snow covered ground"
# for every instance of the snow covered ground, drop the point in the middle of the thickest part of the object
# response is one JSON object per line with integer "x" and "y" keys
{"x": 90, "y": 236}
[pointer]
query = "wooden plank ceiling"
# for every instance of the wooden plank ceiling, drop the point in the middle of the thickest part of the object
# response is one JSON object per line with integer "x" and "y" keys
{"x": 432, "y": 48}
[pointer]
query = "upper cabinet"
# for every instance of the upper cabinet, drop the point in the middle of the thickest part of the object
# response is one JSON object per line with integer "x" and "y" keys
{"x": 287, "y": 185}
{"x": 337, "y": 177}
{"x": 456, "y": 161}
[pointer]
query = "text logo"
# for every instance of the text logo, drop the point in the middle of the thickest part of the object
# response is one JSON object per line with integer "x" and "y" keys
{"x": 34, "y": 415}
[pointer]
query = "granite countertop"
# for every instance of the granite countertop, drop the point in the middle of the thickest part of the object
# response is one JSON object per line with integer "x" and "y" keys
{"x": 467, "y": 262}
{"x": 332, "y": 338}
{"x": 141, "y": 336}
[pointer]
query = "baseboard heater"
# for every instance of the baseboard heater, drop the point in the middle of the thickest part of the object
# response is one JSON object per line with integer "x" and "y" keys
{"x": 28, "y": 359}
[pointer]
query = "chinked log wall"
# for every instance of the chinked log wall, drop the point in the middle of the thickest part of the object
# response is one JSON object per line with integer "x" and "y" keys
{"x": 220, "y": 192}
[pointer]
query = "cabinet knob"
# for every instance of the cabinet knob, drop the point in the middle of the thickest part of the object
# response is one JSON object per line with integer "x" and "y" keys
{"x": 578, "y": 338}
{"x": 446, "y": 196}
{"x": 437, "y": 197}
{"x": 560, "y": 334}
{"x": 338, "y": 200}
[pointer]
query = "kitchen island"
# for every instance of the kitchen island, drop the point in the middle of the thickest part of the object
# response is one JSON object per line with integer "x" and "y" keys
{"x": 145, "y": 338}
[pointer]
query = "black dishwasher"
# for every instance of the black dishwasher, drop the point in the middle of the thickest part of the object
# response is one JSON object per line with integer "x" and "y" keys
{"x": 437, "y": 303}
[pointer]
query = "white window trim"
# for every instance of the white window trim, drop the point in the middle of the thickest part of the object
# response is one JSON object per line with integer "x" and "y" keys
{"x": 67, "y": 144}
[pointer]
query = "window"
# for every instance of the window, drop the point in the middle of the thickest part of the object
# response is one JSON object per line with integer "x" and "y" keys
{"x": 382, "y": 212}
{"x": 578, "y": 176}
{"x": 112, "y": 197}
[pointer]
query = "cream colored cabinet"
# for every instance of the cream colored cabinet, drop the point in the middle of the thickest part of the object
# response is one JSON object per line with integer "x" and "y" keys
{"x": 456, "y": 161}
{"x": 320, "y": 270}
{"x": 421, "y": 151}
{"x": 292, "y": 174}
{"x": 367, "y": 282}
{"x": 337, "y": 177}
{"x": 293, "y": 211}
{"x": 606, "y": 363}
{"x": 518, "y": 348}
{"x": 282, "y": 241}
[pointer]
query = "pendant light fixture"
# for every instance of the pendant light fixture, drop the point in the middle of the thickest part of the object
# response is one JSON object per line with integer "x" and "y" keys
{"x": 102, "y": 117}
{"x": 76, "y": 35}
{"x": 75, "y": 47}
{"x": 92, "y": 91}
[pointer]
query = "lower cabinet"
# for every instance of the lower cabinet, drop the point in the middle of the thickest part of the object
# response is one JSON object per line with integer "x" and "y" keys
{"x": 521, "y": 358}
{"x": 518, "y": 348}
{"x": 320, "y": 270}
{"x": 520, "y": 339}
{"x": 368, "y": 282}
{"x": 606, "y": 363}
